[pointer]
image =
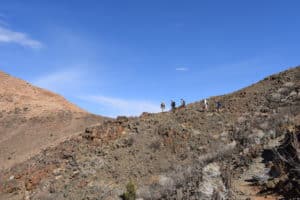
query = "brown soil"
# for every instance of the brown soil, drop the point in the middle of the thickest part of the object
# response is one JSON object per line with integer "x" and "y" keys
{"x": 32, "y": 118}
{"x": 189, "y": 153}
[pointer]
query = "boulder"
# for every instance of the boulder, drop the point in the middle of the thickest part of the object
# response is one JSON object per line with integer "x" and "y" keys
{"x": 289, "y": 84}
{"x": 275, "y": 97}
{"x": 283, "y": 91}
{"x": 212, "y": 182}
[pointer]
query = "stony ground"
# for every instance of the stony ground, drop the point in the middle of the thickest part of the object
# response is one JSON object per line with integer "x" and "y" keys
{"x": 190, "y": 153}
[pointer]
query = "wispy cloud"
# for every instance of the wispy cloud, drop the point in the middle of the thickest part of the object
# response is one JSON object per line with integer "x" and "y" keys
{"x": 61, "y": 81}
{"x": 3, "y": 21}
{"x": 75, "y": 83}
{"x": 10, "y": 36}
{"x": 119, "y": 106}
{"x": 182, "y": 69}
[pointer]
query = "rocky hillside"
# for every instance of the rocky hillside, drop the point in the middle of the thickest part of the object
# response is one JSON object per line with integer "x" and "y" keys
{"x": 246, "y": 150}
{"x": 32, "y": 118}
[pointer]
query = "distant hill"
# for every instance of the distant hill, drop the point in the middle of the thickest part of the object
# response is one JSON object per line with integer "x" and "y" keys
{"x": 32, "y": 118}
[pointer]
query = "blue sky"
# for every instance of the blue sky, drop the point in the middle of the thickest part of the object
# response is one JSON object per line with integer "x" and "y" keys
{"x": 123, "y": 57}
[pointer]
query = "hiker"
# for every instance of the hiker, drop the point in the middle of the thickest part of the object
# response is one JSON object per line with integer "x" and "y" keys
{"x": 206, "y": 104}
{"x": 218, "y": 106}
{"x": 173, "y": 105}
{"x": 182, "y": 101}
{"x": 162, "y": 106}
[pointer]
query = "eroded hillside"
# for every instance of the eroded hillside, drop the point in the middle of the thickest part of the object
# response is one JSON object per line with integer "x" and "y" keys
{"x": 32, "y": 118}
{"x": 186, "y": 154}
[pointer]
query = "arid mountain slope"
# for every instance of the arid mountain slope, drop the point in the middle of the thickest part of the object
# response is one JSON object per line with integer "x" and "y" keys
{"x": 191, "y": 153}
{"x": 18, "y": 94}
{"x": 32, "y": 118}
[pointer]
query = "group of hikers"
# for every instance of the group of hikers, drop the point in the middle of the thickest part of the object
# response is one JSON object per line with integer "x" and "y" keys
{"x": 173, "y": 105}
{"x": 182, "y": 105}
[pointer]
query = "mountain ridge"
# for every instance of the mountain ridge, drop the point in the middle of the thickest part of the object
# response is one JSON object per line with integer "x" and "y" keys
{"x": 188, "y": 153}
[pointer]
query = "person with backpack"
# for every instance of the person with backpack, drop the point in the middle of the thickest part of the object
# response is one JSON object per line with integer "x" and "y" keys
{"x": 206, "y": 104}
{"x": 182, "y": 101}
{"x": 218, "y": 106}
{"x": 162, "y": 106}
{"x": 173, "y": 105}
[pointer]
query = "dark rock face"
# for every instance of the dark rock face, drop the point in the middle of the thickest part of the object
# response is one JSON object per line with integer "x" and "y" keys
{"x": 189, "y": 153}
{"x": 284, "y": 165}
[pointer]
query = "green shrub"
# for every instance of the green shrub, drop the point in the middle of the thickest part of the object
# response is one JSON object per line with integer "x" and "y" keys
{"x": 130, "y": 193}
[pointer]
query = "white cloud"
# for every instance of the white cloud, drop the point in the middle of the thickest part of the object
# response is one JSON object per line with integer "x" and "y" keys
{"x": 182, "y": 69}
{"x": 61, "y": 81}
{"x": 10, "y": 36}
{"x": 74, "y": 83}
{"x": 118, "y": 106}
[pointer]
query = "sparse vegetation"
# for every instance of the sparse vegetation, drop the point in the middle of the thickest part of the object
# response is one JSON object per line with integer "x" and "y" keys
{"x": 188, "y": 154}
{"x": 130, "y": 193}
{"x": 285, "y": 167}
{"x": 155, "y": 145}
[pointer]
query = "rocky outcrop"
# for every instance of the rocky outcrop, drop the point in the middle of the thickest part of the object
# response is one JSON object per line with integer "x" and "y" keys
{"x": 283, "y": 164}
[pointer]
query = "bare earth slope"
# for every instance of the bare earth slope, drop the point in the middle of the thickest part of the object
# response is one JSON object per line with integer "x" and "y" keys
{"x": 186, "y": 154}
{"x": 32, "y": 118}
